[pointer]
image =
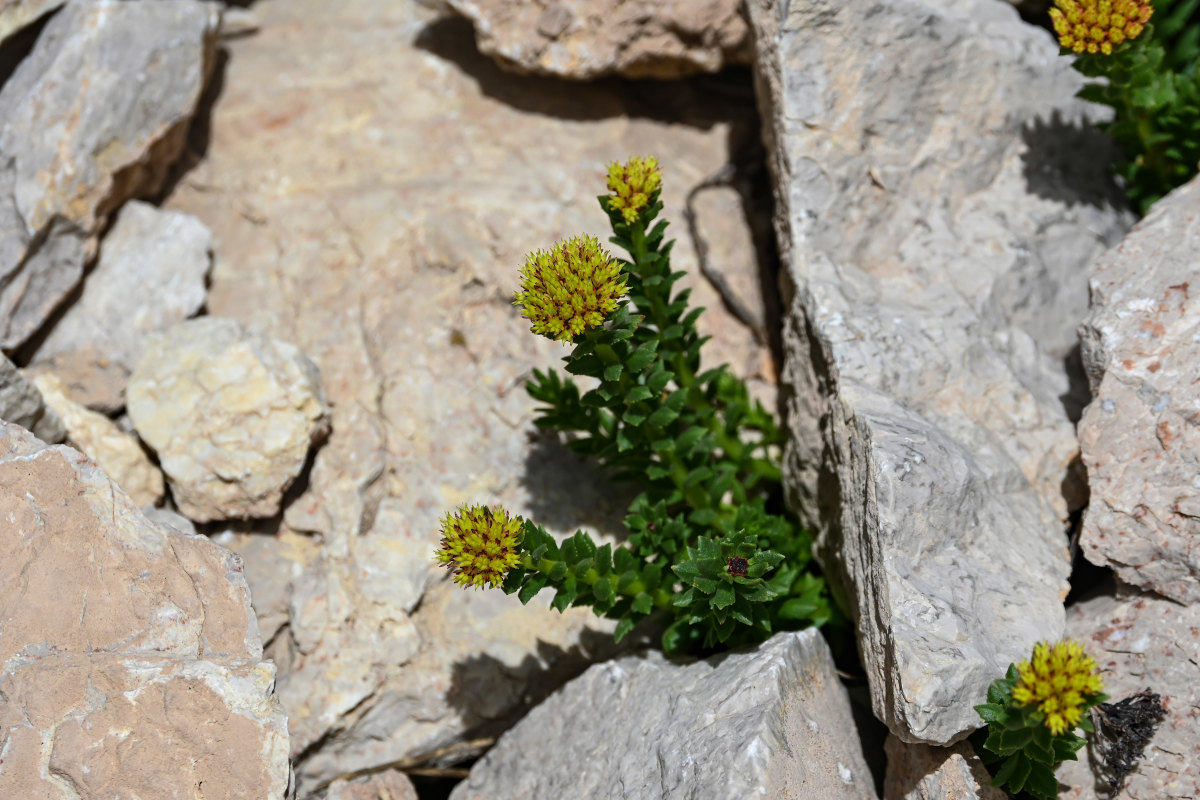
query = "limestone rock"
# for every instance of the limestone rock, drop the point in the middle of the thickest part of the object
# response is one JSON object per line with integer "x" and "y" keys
{"x": 389, "y": 785}
{"x": 119, "y": 454}
{"x": 18, "y": 14}
{"x": 394, "y": 271}
{"x": 134, "y": 671}
{"x": 773, "y": 721}
{"x": 71, "y": 151}
{"x": 1143, "y": 641}
{"x": 231, "y": 414}
{"x": 150, "y": 276}
{"x": 89, "y": 378}
{"x": 1140, "y": 436}
{"x": 22, "y": 404}
{"x": 934, "y": 226}
{"x": 584, "y": 39}
{"x": 926, "y": 772}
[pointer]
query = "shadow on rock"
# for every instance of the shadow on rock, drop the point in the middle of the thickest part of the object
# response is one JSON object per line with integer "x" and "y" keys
{"x": 699, "y": 102}
{"x": 1069, "y": 161}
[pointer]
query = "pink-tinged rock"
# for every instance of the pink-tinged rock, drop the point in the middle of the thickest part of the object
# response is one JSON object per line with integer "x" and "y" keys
{"x": 1140, "y": 436}
{"x": 928, "y": 772}
{"x": 130, "y": 660}
{"x": 72, "y": 150}
{"x": 583, "y": 39}
{"x": 1143, "y": 641}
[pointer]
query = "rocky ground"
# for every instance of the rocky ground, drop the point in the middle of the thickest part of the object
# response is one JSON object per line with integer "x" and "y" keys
{"x": 256, "y": 267}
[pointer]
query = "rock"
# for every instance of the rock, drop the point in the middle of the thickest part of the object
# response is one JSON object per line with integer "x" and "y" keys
{"x": 119, "y": 454}
{"x": 231, "y": 414}
{"x": 394, "y": 271}
{"x": 771, "y": 722}
{"x": 1139, "y": 436}
{"x": 130, "y": 661}
{"x": 934, "y": 227}
{"x": 22, "y": 404}
{"x": 71, "y": 151}
{"x": 15, "y": 15}
{"x": 89, "y": 378}
{"x": 926, "y": 772}
{"x": 1143, "y": 641}
{"x": 581, "y": 39}
{"x": 150, "y": 275}
{"x": 389, "y": 785}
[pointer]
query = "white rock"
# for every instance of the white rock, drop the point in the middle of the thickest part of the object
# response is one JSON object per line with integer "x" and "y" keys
{"x": 770, "y": 722}
{"x": 22, "y": 404}
{"x": 231, "y": 414}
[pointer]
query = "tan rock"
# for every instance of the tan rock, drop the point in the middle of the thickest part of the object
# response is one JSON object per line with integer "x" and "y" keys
{"x": 371, "y": 203}
{"x": 22, "y": 404}
{"x": 89, "y": 377}
{"x": 389, "y": 785}
{"x": 231, "y": 415}
{"x": 130, "y": 662}
{"x": 583, "y": 39}
{"x": 15, "y": 15}
{"x": 118, "y": 453}
{"x": 927, "y": 772}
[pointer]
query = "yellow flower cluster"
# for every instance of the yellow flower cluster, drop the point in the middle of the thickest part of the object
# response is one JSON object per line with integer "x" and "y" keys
{"x": 1096, "y": 26}
{"x": 480, "y": 545}
{"x": 572, "y": 286}
{"x": 632, "y": 184}
{"x": 1058, "y": 680}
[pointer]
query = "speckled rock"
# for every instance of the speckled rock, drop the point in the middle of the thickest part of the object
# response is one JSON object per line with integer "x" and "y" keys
{"x": 389, "y": 785}
{"x": 72, "y": 151}
{"x": 1140, "y": 436}
{"x": 927, "y": 772}
{"x": 935, "y": 226}
{"x": 119, "y": 454}
{"x": 22, "y": 404}
{"x": 135, "y": 671}
{"x": 1143, "y": 641}
{"x": 231, "y": 414}
{"x": 392, "y": 265}
{"x": 583, "y": 39}
{"x": 769, "y": 722}
{"x": 150, "y": 276}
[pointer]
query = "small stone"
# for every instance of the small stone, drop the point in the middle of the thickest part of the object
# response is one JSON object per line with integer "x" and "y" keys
{"x": 231, "y": 414}
{"x": 150, "y": 276}
{"x": 89, "y": 377}
{"x": 927, "y": 772}
{"x": 388, "y": 785}
{"x": 773, "y": 721}
{"x": 22, "y": 404}
{"x": 118, "y": 453}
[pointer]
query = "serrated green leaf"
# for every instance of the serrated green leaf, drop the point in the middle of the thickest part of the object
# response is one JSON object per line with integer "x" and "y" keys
{"x": 637, "y": 394}
{"x": 613, "y": 372}
{"x": 531, "y": 588}
{"x": 706, "y": 585}
{"x": 652, "y": 575}
{"x": 723, "y": 597}
{"x": 603, "y": 559}
{"x": 989, "y": 712}
{"x": 662, "y": 416}
{"x": 1041, "y": 782}
{"x": 641, "y": 358}
{"x": 643, "y": 603}
{"x": 623, "y": 628}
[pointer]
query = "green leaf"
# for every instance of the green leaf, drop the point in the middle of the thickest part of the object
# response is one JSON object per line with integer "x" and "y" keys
{"x": 613, "y": 372}
{"x": 603, "y": 590}
{"x": 662, "y": 416}
{"x": 565, "y": 596}
{"x": 990, "y": 712}
{"x": 623, "y": 560}
{"x": 637, "y": 394}
{"x": 1041, "y": 782}
{"x": 623, "y": 628}
{"x": 723, "y": 597}
{"x": 603, "y": 559}
{"x": 530, "y": 589}
{"x": 1013, "y": 773}
{"x": 643, "y": 603}
{"x": 641, "y": 358}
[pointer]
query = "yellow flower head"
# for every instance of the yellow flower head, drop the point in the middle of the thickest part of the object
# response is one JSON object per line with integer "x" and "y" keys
{"x": 1059, "y": 680}
{"x": 570, "y": 287}
{"x": 1096, "y": 26}
{"x": 632, "y": 184}
{"x": 480, "y": 545}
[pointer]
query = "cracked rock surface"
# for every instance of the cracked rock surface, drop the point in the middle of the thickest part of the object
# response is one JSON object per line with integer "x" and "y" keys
{"x": 935, "y": 226}
{"x": 335, "y": 229}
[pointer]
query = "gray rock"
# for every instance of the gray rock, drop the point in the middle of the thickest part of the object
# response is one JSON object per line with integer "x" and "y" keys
{"x": 150, "y": 276}
{"x": 18, "y": 14}
{"x": 584, "y": 39}
{"x": 130, "y": 660}
{"x": 769, "y": 722}
{"x": 71, "y": 150}
{"x": 927, "y": 772}
{"x": 1139, "y": 436}
{"x": 934, "y": 236}
{"x": 1142, "y": 641}
{"x": 21, "y": 404}
{"x": 231, "y": 414}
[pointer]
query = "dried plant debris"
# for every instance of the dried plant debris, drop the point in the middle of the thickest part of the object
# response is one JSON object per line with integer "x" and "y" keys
{"x": 1123, "y": 729}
